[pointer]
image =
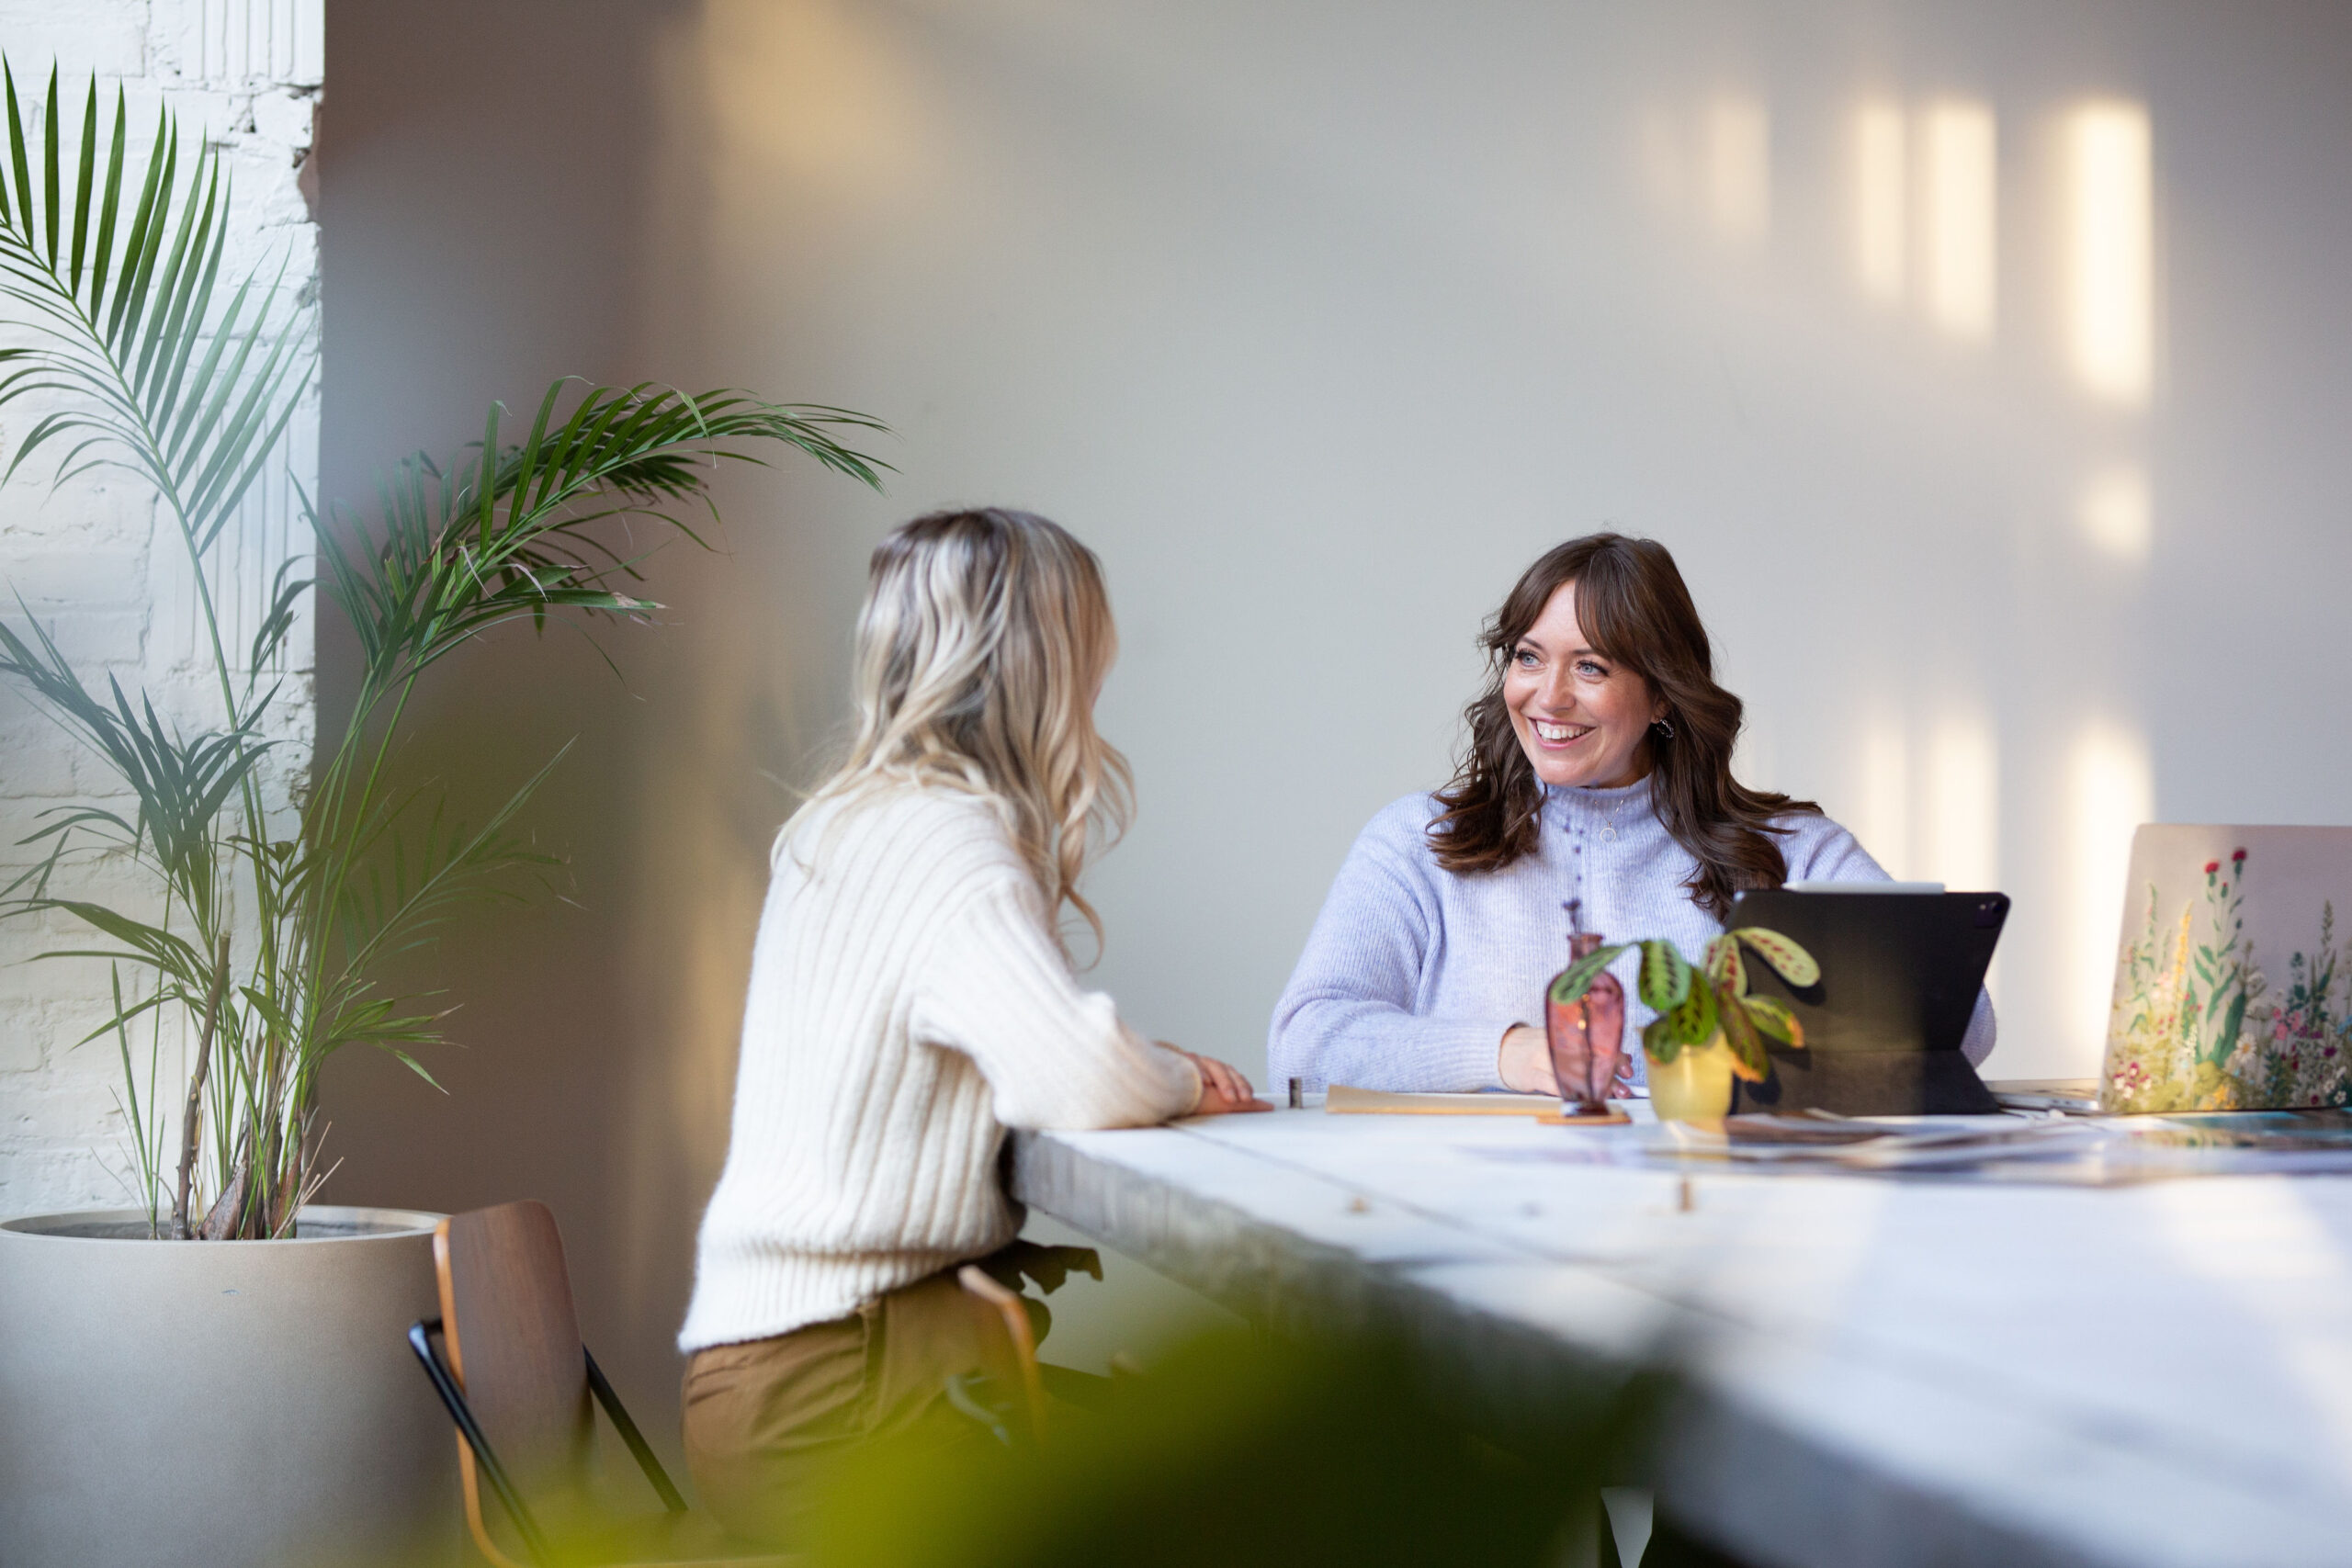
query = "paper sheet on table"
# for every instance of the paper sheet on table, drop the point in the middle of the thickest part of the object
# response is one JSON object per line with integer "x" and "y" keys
{"x": 1908, "y": 1145}
{"x": 1345, "y": 1101}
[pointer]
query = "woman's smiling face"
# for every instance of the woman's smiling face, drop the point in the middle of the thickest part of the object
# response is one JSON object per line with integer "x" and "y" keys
{"x": 1582, "y": 718}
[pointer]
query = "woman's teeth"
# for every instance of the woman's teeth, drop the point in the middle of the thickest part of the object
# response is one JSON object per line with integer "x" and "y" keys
{"x": 1557, "y": 732}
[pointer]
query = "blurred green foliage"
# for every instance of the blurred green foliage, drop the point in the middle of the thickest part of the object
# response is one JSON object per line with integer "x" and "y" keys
{"x": 1236, "y": 1450}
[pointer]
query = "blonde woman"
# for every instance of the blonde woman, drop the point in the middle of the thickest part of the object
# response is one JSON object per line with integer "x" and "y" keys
{"x": 912, "y": 999}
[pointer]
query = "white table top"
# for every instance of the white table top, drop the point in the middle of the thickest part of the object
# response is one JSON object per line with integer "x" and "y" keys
{"x": 1887, "y": 1372}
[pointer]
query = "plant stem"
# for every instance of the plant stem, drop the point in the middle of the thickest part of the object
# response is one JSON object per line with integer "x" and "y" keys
{"x": 191, "y": 1120}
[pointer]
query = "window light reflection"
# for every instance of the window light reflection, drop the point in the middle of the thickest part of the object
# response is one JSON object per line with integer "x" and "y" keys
{"x": 2114, "y": 513}
{"x": 1963, "y": 804}
{"x": 1958, "y": 180}
{"x": 1883, "y": 823}
{"x": 1881, "y": 201}
{"x": 1737, "y": 138}
{"x": 2110, "y": 790}
{"x": 2110, "y": 236}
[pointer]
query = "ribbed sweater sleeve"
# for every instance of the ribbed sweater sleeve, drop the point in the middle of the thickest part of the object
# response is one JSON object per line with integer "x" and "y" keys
{"x": 994, "y": 986}
{"x": 1348, "y": 1016}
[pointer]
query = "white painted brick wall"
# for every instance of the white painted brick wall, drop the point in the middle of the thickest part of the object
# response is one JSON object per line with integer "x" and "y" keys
{"x": 92, "y": 566}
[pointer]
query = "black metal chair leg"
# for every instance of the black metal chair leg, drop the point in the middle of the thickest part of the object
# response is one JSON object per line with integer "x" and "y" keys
{"x": 632, "y": 1436}
{"x": 454, "y": 1400}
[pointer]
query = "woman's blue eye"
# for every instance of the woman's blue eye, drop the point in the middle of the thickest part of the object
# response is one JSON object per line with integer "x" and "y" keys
{"x": 1590, "y": 667}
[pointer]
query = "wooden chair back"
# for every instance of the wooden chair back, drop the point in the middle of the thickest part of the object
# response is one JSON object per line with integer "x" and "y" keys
{"x": 1008, "y": 1345}
{"x": 514, "y": 1344}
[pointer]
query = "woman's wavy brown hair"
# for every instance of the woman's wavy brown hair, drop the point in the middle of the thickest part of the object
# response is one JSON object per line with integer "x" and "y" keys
{"x": 1634, "y": 606}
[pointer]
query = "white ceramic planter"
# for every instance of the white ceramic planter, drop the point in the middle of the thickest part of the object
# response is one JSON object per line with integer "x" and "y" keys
{"x": 220, "y": 1404}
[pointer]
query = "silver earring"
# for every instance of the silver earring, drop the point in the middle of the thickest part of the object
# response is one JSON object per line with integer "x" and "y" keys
{"x": 1665, "y": 729}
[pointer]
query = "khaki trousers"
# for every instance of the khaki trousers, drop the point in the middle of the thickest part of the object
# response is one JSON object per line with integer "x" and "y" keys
{"x": 764, "y": 1419}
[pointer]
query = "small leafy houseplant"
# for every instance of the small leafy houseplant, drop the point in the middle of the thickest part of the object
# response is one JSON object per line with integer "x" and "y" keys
{"x": 1705, "y": 1005}
{"x": 270, "y": 908}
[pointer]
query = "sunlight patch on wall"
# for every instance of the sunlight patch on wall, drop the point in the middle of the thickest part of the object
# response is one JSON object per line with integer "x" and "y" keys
{"x": 1957, "y": 181}
{"x": 2116, "y": 514}
{"x": 1736, "y": 136}
{"x": 2111, "y": 237}
{"x": 1961, "y": 795}
{"x": 1881, "y": 200}
{"x": 1712, "y": 161}
{"x": 1882, "y": 821}
{"x": 2110, "y": 790}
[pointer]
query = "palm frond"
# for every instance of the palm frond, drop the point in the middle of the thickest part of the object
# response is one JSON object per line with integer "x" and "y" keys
{"x": 287, "y": 592}
{"x": 413, "y": 886}
{"x": 142, "y": 944}
{"x": 507, "y": 533}
{"x": 181, "y": 782}
{"x": 164, "y": 379}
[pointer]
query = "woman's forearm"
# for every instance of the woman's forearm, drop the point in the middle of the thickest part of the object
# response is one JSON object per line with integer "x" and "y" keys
{"x": 1373, "y": 1045}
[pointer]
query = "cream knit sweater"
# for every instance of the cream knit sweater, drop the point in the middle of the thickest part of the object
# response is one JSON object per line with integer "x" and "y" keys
{"x": 908, "y": 1004}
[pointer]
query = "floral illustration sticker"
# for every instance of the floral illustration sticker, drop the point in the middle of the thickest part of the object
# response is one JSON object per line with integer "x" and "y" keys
{"x": 2231, "y": 990}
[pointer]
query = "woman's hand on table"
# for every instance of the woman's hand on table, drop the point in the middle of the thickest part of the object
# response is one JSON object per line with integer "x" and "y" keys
{"x": 1525, "y": 1062}
{"x": 1222, "y": 1089}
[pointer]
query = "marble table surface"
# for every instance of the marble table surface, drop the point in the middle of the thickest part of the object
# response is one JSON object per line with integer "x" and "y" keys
{"x": 1884, "y": 1372}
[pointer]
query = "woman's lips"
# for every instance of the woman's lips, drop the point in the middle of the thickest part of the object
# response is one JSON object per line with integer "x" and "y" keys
{"x": 1558, "y": 737}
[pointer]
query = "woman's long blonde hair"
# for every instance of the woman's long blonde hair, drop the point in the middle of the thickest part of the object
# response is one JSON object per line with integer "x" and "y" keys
{"x": 983, "y": 639}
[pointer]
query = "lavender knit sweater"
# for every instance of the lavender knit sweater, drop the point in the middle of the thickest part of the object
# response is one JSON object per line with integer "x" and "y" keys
{"x": 1413, "y": 972}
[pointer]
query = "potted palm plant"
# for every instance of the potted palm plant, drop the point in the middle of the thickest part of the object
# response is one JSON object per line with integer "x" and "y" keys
{"x": 216, "y": 1374}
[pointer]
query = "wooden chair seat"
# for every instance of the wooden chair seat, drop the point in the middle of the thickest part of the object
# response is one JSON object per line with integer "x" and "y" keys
{"x": 519, "y": 1385}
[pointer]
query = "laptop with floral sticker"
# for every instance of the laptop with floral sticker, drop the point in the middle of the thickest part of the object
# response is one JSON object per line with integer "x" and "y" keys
{"x": 2233, "y": 986}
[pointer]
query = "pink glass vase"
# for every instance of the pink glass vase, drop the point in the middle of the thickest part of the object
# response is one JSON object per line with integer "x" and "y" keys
{"x": 1567, "y": 1031}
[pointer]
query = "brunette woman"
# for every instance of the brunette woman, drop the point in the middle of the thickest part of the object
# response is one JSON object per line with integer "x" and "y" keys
{"x": 1599, "y": 769}
{"x": 910, "y": 999}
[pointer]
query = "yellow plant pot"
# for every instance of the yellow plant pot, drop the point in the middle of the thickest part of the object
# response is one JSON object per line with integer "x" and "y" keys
{"x": 1694, "y": 1087}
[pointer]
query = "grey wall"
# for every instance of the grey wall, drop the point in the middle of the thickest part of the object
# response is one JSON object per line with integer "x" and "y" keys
{"x": 1320, "y": 322}
{"x": 484, "y": 198}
